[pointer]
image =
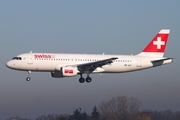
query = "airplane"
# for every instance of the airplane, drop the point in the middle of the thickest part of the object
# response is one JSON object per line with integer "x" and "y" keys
{"x": 69, "y": 65}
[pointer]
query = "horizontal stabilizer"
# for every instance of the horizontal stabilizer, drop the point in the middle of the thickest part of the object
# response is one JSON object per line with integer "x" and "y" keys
{"x": 162, "y": 61}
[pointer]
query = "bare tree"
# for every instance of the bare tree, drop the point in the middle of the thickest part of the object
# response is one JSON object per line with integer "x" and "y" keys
{"x": 121, "y": 108}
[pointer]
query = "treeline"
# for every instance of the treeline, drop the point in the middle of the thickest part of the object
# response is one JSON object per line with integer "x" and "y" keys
{"x": 118, "y": 108}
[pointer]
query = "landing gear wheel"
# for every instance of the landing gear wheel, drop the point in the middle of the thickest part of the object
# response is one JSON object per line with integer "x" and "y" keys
{"x": 28, "y": 78}
{"x": 88, "y": 79}
{"x": 81, "y": 80}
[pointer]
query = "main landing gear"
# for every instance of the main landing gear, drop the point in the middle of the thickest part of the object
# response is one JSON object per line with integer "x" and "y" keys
{"x": 82, "y": 80}
{"x": 28, "y": 78}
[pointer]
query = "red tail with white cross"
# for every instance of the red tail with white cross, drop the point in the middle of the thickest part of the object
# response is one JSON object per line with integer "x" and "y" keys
{"x": 157, "y": 46}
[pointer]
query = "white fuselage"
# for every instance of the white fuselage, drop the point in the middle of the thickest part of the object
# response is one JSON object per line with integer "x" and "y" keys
{"x": 49, "y": 62}
{"x": 69, "y": 65}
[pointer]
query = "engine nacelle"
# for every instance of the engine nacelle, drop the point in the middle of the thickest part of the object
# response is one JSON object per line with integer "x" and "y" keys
{"x": 64, "y": 72}
{"x": 56, "y": 74}
{"x": 69, "y": 71}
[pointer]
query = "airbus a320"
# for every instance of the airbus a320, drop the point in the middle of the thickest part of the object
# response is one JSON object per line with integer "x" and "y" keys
{"x": 69, "y": 65}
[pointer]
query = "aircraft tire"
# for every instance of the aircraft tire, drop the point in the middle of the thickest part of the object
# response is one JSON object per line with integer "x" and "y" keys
{"x": 28, "y": 78}
{"x": 88, "y": 79}
{"x": 81, "y": 80}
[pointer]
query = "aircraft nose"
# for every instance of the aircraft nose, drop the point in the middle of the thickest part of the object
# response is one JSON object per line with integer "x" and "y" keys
{"x": 12, "y": 65}
{"x": 8, "y": 64}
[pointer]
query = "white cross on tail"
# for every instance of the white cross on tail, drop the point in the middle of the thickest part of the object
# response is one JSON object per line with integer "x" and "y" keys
{"x": 158, "y": 43}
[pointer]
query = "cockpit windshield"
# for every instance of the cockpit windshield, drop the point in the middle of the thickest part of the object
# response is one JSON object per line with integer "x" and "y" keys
{"x": 17, "y": 58}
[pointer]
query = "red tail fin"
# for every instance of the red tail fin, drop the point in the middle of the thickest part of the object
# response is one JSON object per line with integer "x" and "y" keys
{"x": 157, "y": 45}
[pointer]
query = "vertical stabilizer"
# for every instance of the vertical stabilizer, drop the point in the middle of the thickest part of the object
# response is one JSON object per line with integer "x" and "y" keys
{"x": 157, "y": 46}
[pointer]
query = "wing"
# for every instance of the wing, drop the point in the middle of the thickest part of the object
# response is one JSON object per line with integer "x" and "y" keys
{"x": 91, "y": 66}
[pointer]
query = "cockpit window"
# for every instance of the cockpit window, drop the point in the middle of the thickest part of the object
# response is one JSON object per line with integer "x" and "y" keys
{"x": 14, "y": 58}
{"x": 17, "y": 58}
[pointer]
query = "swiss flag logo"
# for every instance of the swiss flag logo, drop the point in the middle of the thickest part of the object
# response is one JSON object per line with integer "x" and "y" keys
{"x": 68, "y": 71}
{"x": 158, "y": 44}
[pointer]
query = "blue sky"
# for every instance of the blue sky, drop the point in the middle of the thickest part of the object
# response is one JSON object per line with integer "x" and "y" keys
{"x": 113, "y": 27}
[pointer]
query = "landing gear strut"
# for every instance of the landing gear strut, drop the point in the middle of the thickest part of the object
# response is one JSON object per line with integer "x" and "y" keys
{"x": 28, "y": 78}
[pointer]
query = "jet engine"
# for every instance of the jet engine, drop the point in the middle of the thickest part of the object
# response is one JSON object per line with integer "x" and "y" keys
{"x": 69, "y": 71}
{"x": 65, "y": 72}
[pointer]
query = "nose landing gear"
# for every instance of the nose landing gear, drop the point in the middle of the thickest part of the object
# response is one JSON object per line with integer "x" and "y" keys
{"x": 28, "y": 78}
